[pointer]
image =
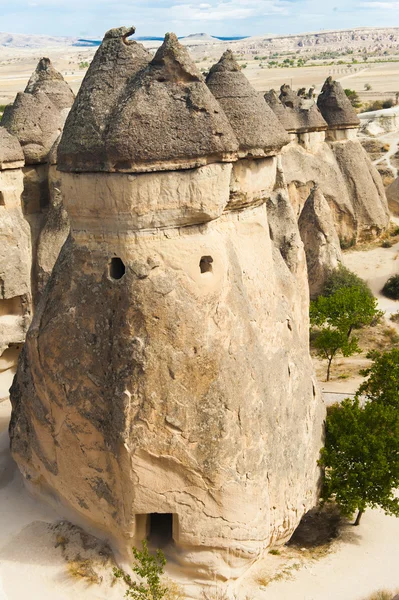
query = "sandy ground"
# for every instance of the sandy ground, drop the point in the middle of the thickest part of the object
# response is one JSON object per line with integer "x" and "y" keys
{"x": 17, "y": 65}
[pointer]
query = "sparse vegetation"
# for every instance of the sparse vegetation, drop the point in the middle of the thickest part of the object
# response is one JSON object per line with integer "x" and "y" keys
{"x": 361, "y": 453}
{"x": 382, "y": 595}
{"x": 149, "y": 570}
{"x": 347, "y": 304}
{"x": 353, "y": 97}
{"x": 391, "y": 288}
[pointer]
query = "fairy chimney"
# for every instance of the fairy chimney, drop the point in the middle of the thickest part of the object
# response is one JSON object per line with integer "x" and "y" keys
{"x": 183, "y": 406}
{"x": 336, "y": 108}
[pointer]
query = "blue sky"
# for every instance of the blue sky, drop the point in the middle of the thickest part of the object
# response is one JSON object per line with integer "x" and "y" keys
{"x": 91, "y": 18}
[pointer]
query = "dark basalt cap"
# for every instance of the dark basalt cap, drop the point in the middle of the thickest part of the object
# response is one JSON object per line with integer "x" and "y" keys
{"x": 48, "y": 80}
{"x": 284, "y": 114}
{"x": 11, "y": 155}
{"x": 335, "y": 106}
{"x": 256, "y": 127}
{"x": 300, "y": 113}
{"x": 167, "y": 118}
{"x": 36, "y": 122}
{"x": 117, "y": 60}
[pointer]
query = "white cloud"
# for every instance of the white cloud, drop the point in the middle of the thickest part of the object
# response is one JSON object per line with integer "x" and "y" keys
{"x": 226, "y": 10}
{"x": 380, "y": 5}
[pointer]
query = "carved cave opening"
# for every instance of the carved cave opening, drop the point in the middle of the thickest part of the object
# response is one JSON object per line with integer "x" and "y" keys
{"x": 117, "y": 268}
{"x": 2, "y": 201}
{"x": 206, "y": 264}
{"x": 160, "y": 530}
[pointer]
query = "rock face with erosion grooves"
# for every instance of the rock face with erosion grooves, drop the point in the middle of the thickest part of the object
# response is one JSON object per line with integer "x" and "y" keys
{"x": 332, "y": 159}
{"x": 323, "y": 251}
{"x": 166, "y": 388}
{"x": 392, "y": 192}
{"x": 15, "y": 259}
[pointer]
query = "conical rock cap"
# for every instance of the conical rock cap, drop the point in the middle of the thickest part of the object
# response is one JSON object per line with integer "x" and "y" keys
{"x": 304, "y": 112}
{"x": 256, "y": 127}
{"x": 167, "y": 118}
{"x": 36, "y": 122}
{"x": 48, "y": 80}
{"x": 335, "y": 106}
{"x": 117, "y": 60}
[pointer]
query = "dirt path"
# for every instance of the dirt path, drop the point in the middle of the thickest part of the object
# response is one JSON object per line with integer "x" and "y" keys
{"x": 393, "y": 140}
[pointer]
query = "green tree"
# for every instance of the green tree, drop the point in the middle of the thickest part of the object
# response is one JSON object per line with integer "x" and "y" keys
{"x": 344, "y": 278}
{"x": 329, "y": 342}
{"x": 336, "y": 315}
{"x": 361, "y": 457}
{"x": 149, "y": 569}
{"x": 347, "y": 309}
{"x": 353, "y": 97}
{"x": 382, "y": 383}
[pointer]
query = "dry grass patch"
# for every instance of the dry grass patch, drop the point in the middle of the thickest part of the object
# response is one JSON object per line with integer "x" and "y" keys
{"x": 382, "y": 595}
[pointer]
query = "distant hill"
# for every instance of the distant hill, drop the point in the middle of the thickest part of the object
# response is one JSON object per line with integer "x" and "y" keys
{"x": 22, "y": 40}
{"x": 368, "y": 38}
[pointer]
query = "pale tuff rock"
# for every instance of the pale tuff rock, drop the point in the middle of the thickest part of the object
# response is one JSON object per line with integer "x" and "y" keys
{"x": 257, "y": 129}
{"x": 15, "y": 261}
{"x": 167, "y": 366}
{"x": 338, "y": 165}
{"x": 365, "y": 188}
{"x": 322, "y": 247}
{"x": 392, "y": 193}
{"x": 11, "y": 155}
{"x": 38, "y": 114}
{"x": 335, "y": 106}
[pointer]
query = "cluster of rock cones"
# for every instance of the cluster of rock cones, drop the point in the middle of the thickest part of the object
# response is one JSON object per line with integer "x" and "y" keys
{"x": 166, "y": 369}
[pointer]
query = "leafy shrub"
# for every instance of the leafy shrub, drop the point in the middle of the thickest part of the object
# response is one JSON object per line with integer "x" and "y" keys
{"x": 391, "y": 288}
{"x": 386, "y": 244}
{"x": 344, "y": 278}
{"x": 149, "y": 570}
{"x": 346, "y": 244}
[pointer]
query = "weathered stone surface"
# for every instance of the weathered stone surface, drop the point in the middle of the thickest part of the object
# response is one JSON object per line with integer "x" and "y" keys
{"x": 15, "y": 261}
{"x": 348, "y": 181}
{"x": 162, "y": 118}
{"x": 392, "y": 193}
{"x": 36, "y": 122}
{"x": 48, "y": 80}
{"x": 53, "y": 233}
{"x": 173, "y": 120}
{"x": 364, "y": 186}
{"x": 320, "y": 239}
{"x": 305, "y": 115}
{"x": 258, "y": 130}
{"x": 195, "y": 388}
{"x": 167, "y": 368}
{"x": 285, "y": 115}
{"x": 335, "y": 106}
{"x": 11, "y": 155}
{"x": 116, "y": 61}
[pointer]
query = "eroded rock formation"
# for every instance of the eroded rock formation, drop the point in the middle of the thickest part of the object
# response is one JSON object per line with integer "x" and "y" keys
{"x": 15, "y": 259}
{"x": 166, "y": 382}
{"x": 36, "y": 119}
{"x": 33, "y": 222}
{"x": 331, "y": 158}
